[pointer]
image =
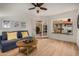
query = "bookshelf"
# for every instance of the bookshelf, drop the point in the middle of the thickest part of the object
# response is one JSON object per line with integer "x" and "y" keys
{"x": 63, "y": 27}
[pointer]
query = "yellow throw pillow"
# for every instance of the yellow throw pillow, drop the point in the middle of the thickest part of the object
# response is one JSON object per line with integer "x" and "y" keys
{"x": 24, "y": 34}
{"x": 12, "y": 35}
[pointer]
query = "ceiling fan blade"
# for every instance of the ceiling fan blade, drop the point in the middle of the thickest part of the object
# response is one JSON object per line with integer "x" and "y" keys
{"x": 43, "y": 8}
{"x": 37, "y": 11}
{"x": 40, "y": 4}
{"x": 34, "y": 4}
{"x": 31, "y": 8}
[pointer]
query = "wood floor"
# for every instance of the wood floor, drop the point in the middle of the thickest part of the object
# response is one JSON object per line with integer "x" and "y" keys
{"x": 49, "y": 47}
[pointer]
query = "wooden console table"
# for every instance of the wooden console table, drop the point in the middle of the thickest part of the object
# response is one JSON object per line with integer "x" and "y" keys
{"x": 26, "y": 47}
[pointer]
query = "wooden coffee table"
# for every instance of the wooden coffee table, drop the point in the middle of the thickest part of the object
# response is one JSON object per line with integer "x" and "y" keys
{"x": 26, "y": 47}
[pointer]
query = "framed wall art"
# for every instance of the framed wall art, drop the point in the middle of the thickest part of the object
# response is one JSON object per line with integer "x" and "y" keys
{"x": 6, "y": 24}
{"x": 16, "y": 24}
{"x": 23, "y": 25}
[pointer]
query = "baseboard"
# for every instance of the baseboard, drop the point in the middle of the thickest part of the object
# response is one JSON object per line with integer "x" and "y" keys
{"x": 62, "y": 40}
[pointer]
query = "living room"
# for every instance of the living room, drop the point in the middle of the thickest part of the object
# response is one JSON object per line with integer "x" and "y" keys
{"x": 57, "y": 26}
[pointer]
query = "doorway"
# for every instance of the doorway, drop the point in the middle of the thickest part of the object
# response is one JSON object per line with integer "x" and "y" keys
{"x": 41, "y": 29}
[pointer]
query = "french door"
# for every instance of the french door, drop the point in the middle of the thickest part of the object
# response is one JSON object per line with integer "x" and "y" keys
{"x": 41, "y": 29}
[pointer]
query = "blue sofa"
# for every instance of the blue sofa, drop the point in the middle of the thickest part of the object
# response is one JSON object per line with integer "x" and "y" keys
{"x": 7, "y": 45}
{"x": 0, "y": 41}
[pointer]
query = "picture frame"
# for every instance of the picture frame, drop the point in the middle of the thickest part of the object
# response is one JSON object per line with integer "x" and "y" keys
{"x": 6, "y": 23}
{"x": 16, "y": 24}
{"x": 23, "y": 25}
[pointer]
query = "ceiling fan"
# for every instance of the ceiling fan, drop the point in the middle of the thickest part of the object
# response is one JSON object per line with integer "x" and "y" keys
{"x": 37, "y": 6}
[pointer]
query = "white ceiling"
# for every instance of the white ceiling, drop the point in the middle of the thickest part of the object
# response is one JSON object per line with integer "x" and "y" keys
{"x": 22, "y": 8}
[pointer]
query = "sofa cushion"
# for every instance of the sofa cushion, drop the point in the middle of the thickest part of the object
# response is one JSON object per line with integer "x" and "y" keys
{"x": 0, "y": 41}
{"x": 19, "y": 35}
{"x": 11, "y": 35}
{"x": 24, "y": 34}
{"x": 4, "y": 36}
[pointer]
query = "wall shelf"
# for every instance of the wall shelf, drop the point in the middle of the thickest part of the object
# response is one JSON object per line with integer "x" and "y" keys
{"x": 63, "y": 27}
